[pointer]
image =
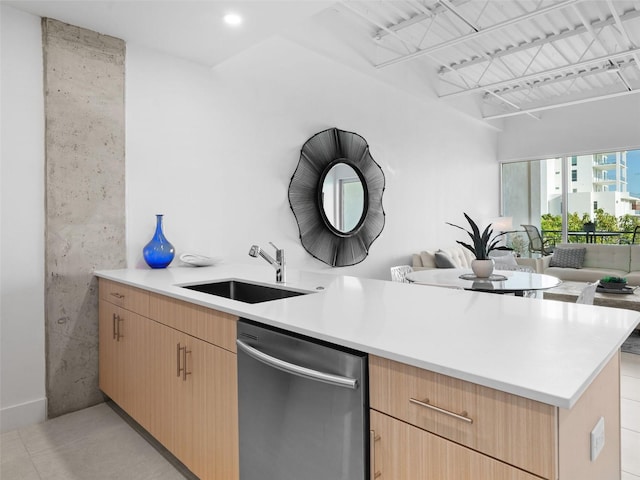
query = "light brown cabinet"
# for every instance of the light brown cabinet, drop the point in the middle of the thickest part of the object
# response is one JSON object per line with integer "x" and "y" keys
{"x": 124, "y": 296}
{"x": 171, "y": 366}
{"x": 196, "y": 413}
{"x": 180, "y": 388}
{"x": 123, "y": 366}
{"x": 427, "y": 425}
{"x": 401, "y": 451}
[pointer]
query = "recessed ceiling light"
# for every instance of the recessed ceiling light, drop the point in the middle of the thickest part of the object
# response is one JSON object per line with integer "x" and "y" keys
{"x": 232, "y": 19}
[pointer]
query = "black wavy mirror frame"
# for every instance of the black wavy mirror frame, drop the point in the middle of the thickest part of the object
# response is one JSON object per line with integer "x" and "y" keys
{"x": 318, "y": 235}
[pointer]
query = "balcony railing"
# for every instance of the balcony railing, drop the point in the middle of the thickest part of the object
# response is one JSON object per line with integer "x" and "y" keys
{"x": 580, "y": 236}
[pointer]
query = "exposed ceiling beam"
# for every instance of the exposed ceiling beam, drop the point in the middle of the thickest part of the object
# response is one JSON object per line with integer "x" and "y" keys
{"x": 560, "y": 105}
{"x": 618, "y": 20}
{"x": 462, "y": 76}
{"x": 623, "y": 30}
{"x": 426, "y": 14}
{"x": 410, "y": 46}
{"x": 446, "y": 4}
{"x": 546, "y": 73}
{"x": 564, "y": 78}
{"x": 496, "y": 95}
{"x": 472, "y": 36}
{"x": 543, "y": 41}
{"x": 624, "y": 80}
{"x": 513, "y": 105}
{"x": 596, "y": 38}
{"x": 418, "y": 18}
{"x": 586, "y": 24}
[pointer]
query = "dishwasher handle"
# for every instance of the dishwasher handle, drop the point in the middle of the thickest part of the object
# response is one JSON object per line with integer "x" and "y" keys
{"x": 294, "y": 369}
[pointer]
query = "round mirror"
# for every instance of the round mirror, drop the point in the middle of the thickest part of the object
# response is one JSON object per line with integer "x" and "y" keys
{"x": 336, "y": 196}
{"x": 342, "y": 197}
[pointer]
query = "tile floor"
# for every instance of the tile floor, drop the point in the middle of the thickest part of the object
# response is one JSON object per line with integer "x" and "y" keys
{"x": 97, "y": 443}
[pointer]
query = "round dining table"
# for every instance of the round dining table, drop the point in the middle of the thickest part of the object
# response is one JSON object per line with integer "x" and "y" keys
{"x": 500, "y": 281}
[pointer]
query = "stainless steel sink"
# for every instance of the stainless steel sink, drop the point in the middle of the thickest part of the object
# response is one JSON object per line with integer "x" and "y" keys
{"x": 243, "y": 291}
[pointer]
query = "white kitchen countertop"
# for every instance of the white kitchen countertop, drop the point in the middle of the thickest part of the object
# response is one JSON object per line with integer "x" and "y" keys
{"x": 544, "y": 350}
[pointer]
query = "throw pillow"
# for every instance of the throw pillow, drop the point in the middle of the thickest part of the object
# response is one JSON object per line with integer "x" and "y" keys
{"x": 568, "y": 257}
{"x": 443, "y": 260}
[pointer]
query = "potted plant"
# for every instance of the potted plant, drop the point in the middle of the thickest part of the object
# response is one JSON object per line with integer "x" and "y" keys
{"x": 483, "y": 244}
{"x": 613, "y": 283}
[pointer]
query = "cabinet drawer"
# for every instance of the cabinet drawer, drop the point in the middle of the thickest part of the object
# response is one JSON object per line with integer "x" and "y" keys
{"x": 516, "y": 430}
{"x": 212, "y": 326}
{"x": 402, "y": 452}
{"x": 130, "y": 298}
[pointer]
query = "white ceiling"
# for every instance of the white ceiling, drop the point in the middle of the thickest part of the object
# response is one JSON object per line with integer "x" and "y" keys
{"x": 189, "y": 29}
{"x": 515, "y": 57}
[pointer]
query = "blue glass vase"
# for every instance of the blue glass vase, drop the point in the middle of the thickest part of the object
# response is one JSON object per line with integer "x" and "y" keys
{"x": 159, "y": 252}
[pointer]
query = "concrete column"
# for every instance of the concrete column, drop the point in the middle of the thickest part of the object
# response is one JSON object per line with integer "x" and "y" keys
{"x": 85, "y": 201}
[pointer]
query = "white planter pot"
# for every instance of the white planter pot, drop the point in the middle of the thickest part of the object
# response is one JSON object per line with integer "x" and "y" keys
{"x": 482, "y": 268}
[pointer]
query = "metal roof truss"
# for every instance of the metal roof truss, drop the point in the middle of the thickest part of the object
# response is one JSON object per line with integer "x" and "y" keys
{"x": 518, "y": 56}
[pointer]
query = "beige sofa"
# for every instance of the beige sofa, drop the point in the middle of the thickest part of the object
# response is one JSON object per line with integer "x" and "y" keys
{"x": 599, "y": 261}
{"x": 460, "y": 257}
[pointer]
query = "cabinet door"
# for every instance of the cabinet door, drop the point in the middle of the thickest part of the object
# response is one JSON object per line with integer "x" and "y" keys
{"x": 122, "y": 355}
{"x": 133, "y": 365}
{"x": 495, "y": 423}
{"x": 195, "y": 415}
{"x": 167, "y": 412}
{"x": 107, "y": 354}
{"x": 400, "y": 451}
{"x": 215, "y": 411}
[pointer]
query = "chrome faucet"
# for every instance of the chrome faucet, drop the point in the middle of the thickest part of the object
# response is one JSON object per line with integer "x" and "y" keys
{"x": 278, "y": 263}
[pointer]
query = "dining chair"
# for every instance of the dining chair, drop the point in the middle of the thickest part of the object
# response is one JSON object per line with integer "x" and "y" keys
{"x": 589, "y": 229}
{"x": 587, "y": 294}
{"x": 399, "y": 273}
{"x": 536, "y": 243}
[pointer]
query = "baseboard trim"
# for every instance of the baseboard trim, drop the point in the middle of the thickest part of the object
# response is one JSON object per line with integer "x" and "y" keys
{"x": 23, "y": 415}
{"x": 178, "y": 465}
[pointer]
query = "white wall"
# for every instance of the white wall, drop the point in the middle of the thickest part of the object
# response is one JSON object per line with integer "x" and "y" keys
{"x": 22, "y": 366}
{"x": 215, "y": 150}
{"x": 601, "y": 126}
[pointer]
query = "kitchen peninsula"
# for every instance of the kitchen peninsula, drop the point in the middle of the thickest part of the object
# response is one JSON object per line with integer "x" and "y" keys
{"x": 532, "y": 376}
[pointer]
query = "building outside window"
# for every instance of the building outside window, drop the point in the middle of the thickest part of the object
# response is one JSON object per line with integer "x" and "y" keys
{"x": 601, "y": 187}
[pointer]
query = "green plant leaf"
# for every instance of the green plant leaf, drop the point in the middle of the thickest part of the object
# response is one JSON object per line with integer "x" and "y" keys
{"x": 483, "y": 243}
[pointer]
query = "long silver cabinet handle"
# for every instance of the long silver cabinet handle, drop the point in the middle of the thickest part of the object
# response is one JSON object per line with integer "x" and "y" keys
{"x": 184, "y": 363}
{"x": 118, "y": 320}
{"x": 178, "y": 369}
{"x": 426, "y": 404}
{"x": 294, "y": 369}
{"x": 373, "y": 438}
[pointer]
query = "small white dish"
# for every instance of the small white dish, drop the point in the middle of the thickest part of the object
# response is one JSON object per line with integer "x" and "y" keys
{"x": 197, "y": 260}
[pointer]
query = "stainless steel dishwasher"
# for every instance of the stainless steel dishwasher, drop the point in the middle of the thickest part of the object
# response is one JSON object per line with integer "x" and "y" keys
{"x": 303, "y": 407}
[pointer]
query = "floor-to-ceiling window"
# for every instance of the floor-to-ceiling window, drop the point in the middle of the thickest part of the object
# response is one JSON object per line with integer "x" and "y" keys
{"x": 601, "y": 192}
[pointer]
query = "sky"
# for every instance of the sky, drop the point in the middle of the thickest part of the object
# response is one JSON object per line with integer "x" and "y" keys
{"x": 633, "y": 172}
